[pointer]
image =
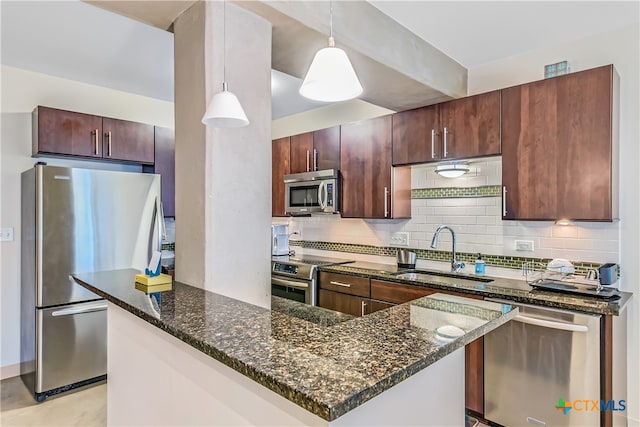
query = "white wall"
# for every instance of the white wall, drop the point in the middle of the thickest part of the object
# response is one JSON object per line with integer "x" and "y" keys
{"x": 622, "y": 49}
{"x": 22, "y": 90}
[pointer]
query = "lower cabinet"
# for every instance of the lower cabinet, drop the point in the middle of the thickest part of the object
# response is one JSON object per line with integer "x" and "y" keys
{"x": 359, "y": 296}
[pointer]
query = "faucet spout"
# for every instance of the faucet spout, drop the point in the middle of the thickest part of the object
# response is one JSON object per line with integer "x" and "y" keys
{"x": 455, "y": 265}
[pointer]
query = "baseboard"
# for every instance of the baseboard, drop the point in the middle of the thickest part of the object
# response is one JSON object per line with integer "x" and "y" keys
{"x": 9, "y": 371}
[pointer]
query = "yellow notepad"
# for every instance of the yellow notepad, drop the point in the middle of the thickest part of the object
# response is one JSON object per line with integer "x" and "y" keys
{"x": 154, "y": 288}
{"x": 161, "y": 279}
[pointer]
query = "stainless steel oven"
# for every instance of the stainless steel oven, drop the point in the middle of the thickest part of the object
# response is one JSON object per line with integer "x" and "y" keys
{"x": 311, "y": 192}
{"x": 296, "y": 278}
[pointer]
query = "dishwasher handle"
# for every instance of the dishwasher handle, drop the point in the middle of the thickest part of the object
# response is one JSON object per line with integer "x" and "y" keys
{"x": 551, "y": 324}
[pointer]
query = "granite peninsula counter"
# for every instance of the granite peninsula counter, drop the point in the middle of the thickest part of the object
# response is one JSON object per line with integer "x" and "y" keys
{"x": 325, "y": 362}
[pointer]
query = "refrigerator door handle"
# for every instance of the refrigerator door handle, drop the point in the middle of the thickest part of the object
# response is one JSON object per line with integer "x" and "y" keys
{"x": 102, "y": 305}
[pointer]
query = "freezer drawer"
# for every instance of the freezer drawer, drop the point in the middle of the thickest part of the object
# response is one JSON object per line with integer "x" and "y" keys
{"x": 71, "y": 344}
{"x": 539, "y": 357}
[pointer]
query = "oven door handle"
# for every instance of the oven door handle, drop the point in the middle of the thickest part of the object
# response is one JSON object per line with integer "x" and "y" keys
{"x": 289, "y": 283}
{"x": 550, "y": 324}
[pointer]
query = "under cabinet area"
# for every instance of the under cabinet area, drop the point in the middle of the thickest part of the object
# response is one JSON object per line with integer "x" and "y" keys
{"x": 459, "y": 129}
{"x": 559, "y": 148}
{"x": 66, "y": 133}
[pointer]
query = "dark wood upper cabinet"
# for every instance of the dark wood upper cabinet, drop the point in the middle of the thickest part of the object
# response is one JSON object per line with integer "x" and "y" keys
{"x": 368, "y": 190}
{"x": 67, "y": 133}
{"x": 165, "y": 166}
{"x": 60, "y": 132}
{"x": 301, "y": 153}
{"x": 128, "y": 141}
{"x": 559, "y": 148}
{"x": 459, "y": 129}
{"x": 280, "y": 166}
{"x": 326, "y": 148}
{"x": 471, "y": 126}
{"x": 317, "y": 150}
{"x": 415, "y": 136}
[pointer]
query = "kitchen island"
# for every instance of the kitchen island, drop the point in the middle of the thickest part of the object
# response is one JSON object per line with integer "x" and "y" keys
{"x": 189, "y": 356}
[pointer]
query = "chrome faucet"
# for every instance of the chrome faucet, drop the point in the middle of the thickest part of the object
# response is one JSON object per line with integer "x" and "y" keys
{"x": 455, "y": 265}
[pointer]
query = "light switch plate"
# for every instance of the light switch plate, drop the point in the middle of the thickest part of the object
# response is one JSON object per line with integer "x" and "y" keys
{"x": 6, "y": 234}
{"x": 400, "y": 239}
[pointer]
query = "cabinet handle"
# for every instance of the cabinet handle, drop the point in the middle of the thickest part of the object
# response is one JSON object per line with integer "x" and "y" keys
{"x": 433, "y": 142}
{"x": 504, "y": 200}
{"x": 315, "y": 159}
{"x": 363, "y": 305}
{"x": 386, "y": 202}
{"x": 95, "y": 142}
{"x": 308, "y": 161}
{"x": 109, "y": 144}
{"x": 445, "y": 143}
{"x": 346, "y": 285}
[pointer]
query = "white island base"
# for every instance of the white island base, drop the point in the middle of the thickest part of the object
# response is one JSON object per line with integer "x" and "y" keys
{"x": 156, "y": 379}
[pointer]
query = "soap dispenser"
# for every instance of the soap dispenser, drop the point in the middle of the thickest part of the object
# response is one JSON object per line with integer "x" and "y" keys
{"x": 479, "y": 265}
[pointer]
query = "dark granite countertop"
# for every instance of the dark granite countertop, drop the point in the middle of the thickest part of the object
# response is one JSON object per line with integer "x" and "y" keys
{"x": 514, "y": 290}
{"x": 328, "y": 365}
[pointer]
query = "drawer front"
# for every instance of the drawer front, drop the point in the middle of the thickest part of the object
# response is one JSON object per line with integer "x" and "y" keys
{"x": 396, "y": 292}
{"x": 344, "y": 283}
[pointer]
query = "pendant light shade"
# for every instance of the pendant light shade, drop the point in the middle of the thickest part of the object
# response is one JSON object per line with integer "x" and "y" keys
{"x": 225, "y": 111}
{"x": 331, "y": 77}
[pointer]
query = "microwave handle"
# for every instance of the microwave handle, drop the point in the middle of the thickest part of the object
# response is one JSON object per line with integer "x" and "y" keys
{"x": 322, "y": 191}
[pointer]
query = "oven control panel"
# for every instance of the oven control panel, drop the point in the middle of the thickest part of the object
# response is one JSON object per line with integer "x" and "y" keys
{"x": 285, "y": 268}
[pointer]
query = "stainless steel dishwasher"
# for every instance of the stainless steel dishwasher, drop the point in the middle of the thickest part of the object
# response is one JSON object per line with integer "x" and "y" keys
{"x": 539, "y": 357}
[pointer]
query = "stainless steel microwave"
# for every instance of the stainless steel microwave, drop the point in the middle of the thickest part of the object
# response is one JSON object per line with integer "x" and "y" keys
{"x": 311, "y": 192}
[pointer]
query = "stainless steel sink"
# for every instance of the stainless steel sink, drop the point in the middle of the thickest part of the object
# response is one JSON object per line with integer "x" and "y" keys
{"x": 426, "y": 275}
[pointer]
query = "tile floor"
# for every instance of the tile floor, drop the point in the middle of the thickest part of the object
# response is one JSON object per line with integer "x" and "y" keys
{"x": 84, "y": 407}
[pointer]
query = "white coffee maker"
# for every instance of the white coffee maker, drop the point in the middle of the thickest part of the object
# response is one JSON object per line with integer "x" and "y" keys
{"x": 279, "y": 240}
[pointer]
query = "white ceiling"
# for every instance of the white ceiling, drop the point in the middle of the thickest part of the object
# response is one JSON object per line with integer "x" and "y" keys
{"x": 75, "y": 40}
{"x": 478, "y": 32}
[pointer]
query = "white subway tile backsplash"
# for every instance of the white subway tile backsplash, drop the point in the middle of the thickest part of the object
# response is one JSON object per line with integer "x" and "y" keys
{"x": 477, "y": 222}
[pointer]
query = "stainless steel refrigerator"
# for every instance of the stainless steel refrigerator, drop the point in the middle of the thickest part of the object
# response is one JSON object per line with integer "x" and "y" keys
{"x": 77, "y": 221}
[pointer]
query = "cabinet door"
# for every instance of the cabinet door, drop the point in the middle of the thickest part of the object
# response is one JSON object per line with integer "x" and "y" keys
{"x": 471, "y": 126}
{"x": 474, "y": 376}
{"x": 279, "y": 168}
{"x": 349, "y": 304}
{"x": 128, "y": 141}
{"x": 326, "y": 148}
{"x": 557, "y": 148}
{"x": 415, "y": 136}
{"x": 66, "y": 132}
{"x": 373, "y": 306}
{"x": 301, "y": 152}
{"x": 365, "y": 164}
{"x": 165, "y": 166}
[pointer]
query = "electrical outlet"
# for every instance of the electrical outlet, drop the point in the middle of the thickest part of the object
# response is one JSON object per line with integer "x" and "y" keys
{"x": 524, "y": 245}
{"x": 6, "y": 234}
{"x": 400, "y": 239}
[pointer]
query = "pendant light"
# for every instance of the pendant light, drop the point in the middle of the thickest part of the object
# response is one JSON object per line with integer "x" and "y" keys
{"x": 331, "y": 77}
{"x": 224, "y": 110}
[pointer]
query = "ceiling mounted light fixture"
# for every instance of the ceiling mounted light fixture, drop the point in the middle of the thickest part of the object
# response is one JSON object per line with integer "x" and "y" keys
{"x": 452, "y": 170}
{"x": 224, "y": 109}
{"x": 331, "y": 77}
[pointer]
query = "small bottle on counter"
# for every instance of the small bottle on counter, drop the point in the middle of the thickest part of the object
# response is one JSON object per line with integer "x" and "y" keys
{"x": 479, "y": 265}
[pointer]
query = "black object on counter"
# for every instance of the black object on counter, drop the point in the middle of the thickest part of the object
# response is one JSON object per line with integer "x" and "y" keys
{"x": 608, "y": 274}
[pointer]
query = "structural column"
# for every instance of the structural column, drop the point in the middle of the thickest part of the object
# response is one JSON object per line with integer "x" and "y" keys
{"x": 223, "y": 176}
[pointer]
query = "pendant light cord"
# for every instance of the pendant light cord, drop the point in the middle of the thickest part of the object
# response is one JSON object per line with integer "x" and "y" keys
{"x": 224, "y": 43}
{"x": 332, "y": 42}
